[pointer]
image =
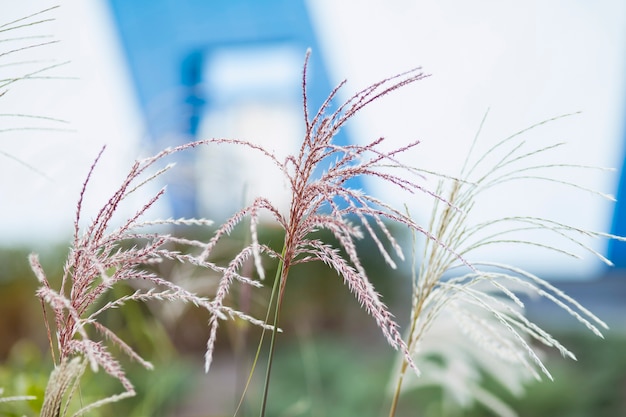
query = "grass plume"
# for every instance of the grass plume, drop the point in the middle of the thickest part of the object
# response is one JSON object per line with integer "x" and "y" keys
{"x": 105, "y": 253}
{"x": 18, "y": 38}
{"x": 481, "y": 296}
{"x": 483, "y": 301}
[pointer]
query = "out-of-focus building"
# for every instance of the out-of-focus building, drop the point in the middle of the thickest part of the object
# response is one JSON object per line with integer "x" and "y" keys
{"x": 224, "y": 68}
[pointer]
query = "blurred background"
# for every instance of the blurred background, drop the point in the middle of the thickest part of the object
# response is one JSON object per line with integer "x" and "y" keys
{"x": 138, "y": 76}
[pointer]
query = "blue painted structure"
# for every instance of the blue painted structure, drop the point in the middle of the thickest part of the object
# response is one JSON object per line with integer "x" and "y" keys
{"x": 168, "y": 45}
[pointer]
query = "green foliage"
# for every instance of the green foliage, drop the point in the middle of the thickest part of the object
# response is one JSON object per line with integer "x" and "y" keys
{"x": 348, "y": 375}
{"x": 20, "y": 314}
{"x": 25, "y": 372}
{"x": 25, "y": 363}
{"x": 594, "y": 387}
{"x": 329, "y": 377}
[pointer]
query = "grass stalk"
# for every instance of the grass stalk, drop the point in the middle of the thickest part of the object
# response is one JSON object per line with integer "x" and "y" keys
{"x": 277, "y": 293}
{"x": 396, "y": 393}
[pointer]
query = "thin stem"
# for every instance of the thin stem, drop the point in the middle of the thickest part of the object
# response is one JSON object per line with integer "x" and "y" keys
{"x": 416, "y": 310}
{"x": 260, "y": 345}
{"x": 278, "y": 285}
{"x": 405, "y": 363}
{"x": 396, "y": 394}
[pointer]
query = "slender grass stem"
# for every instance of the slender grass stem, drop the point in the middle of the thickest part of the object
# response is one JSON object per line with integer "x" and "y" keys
{"x": 277, "y": 291}
{"x": 416, "y": 308}
{"x": 405, "y": 363}
{"x": 396, "y": 394}
{"x": 260, "y": 344}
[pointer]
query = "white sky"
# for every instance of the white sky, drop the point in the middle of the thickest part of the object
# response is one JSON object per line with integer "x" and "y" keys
{"x": 525, "y": 61}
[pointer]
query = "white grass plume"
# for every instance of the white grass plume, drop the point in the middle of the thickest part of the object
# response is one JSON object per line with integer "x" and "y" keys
{"x": 483, "y": 298}
{"x": 16, "y": 37}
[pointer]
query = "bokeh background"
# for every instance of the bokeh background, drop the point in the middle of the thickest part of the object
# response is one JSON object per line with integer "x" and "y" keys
{"x": 137, "y": 76}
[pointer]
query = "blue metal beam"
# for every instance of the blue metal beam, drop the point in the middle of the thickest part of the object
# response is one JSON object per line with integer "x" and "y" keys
{"x": 167, "y": 42}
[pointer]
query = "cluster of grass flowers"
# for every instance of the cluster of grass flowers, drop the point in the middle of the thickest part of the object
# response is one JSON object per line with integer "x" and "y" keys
{"x": 482, "y": 303}
{"x": 104, "y": 254}
{"x": 482, "y": 297}
{"x": 101, "y": 256}
{"x": 21, "y": 38}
